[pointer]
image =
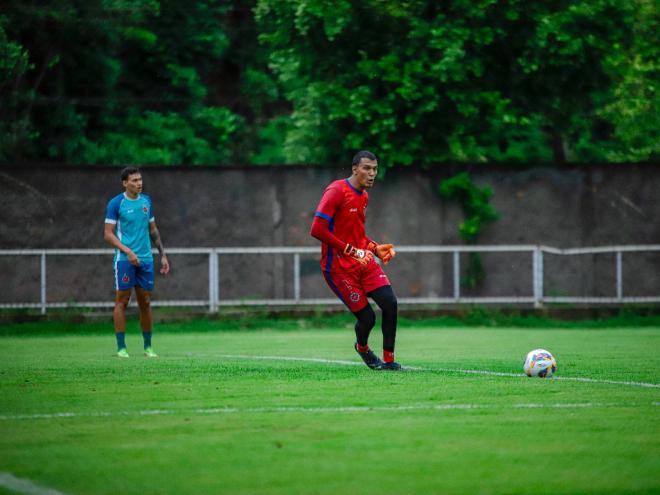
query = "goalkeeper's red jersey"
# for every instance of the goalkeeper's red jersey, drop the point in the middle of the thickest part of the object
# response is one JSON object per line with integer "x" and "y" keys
{"x": 344, "y": 208}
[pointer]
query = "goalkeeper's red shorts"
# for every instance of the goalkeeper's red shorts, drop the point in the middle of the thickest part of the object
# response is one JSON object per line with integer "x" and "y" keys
{"x": 352, "y": 287}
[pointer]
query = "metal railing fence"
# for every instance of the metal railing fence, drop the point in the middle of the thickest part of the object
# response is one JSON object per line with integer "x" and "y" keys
{"x": 214, "y": 301}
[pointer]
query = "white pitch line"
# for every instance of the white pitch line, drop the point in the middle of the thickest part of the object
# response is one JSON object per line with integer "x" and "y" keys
{"x": 317, "y": 410}
{"x": 290, "y": 358}
{"x": 27, "y": 487}
{"x": 443, "y": 370}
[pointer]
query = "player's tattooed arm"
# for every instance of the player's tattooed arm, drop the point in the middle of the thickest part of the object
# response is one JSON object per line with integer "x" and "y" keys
{"x": 155, "y": 238}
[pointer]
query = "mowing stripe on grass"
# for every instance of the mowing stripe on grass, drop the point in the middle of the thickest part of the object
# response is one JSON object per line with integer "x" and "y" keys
{"x": 611, "y": 382}
{"x": 27, "y": 487}
{"x": 316, "y": 410}
{"x": 442, "y": 370}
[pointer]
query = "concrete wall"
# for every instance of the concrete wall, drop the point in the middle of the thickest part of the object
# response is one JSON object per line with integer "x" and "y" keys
{"x": 47, "y": 207}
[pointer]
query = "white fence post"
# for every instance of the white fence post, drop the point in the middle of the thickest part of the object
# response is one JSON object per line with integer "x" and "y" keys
{"x": 619, "y": 275}
{"x": 43, "y": 283}
{"x": 296, "y": 276}
{"x": 537, "y": 276}
{"x": 211, "y": 289}
{"x": 216, "y": 280}
{"x": 457, "y": 276}
{"x": 213, "y": 281}
{"x": 541, "y": 276}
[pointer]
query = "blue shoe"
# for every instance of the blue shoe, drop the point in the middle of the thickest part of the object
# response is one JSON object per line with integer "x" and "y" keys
{"x": 369, "y": 358}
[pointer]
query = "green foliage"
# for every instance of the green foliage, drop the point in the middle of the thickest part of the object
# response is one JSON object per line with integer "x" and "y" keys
{"x": 474, "y": 272}
{"x": 477, "y": 210}
{"x": 14, "y": 60}
{"x": 156, "y": 138}
{"x": 121, "y": 82}
{"x": 427, "y": 82}
{"x": 271, "y": 135}
{"x": 67, "y": 321}
{"x": 473, "y": 200}
{"x": 308, "y": 81}
{"x": 633, "y": 107}
{"x": 14, "y": 63}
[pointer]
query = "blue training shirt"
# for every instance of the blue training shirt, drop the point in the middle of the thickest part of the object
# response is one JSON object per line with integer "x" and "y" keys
{"x": 132, "y": 217}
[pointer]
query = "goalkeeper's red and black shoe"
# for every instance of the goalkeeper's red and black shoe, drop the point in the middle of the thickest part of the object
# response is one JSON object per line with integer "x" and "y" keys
{"x": 391, "y": 366}
{"x": 369, "y": 358}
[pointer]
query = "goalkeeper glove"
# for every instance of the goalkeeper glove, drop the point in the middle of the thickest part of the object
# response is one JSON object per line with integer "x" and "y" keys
{"x": 384, "y": 251}
{"x": 362, "y": 256}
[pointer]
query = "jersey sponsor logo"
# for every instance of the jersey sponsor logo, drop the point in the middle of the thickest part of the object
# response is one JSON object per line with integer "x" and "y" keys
{"x": 129, "y": 211}
{"x": 355, "y": 296}
{"x": 353, "y": 210}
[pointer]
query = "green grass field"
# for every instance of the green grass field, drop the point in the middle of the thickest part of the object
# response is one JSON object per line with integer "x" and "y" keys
{"x": 248, "y": 412}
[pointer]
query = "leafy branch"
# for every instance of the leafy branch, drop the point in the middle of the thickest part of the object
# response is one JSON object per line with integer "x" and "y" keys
{"x": 475, "y": 203}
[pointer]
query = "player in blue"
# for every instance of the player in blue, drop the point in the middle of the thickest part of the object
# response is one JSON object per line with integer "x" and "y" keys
{"x": 130, "y": 227}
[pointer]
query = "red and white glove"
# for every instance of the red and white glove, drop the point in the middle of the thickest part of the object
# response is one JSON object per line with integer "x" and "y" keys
{"x": 362, "y": 256}
{"x": 384, "y": 251}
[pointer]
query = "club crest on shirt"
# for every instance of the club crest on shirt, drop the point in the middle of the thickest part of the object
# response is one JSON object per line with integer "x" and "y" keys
{"x": 145, "y": 210}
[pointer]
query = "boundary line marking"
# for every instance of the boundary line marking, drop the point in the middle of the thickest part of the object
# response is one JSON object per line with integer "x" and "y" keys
{"x": 25, "y": 486}
{"x": 443, "y": 370}
{"x": 317, "y": 410}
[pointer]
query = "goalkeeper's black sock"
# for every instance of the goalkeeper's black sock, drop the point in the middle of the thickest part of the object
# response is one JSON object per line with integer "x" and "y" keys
{"x": 366, "y": 321}
{"x": 386, "y": 300}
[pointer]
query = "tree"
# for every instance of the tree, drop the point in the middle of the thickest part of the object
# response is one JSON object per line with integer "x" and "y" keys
{"x": 306, "y": 81}
{"x": 428, "y": 82}
{"x": 14, "y": 63}
{"x": 633, "y": 104}
{"x": 119, "y": 82}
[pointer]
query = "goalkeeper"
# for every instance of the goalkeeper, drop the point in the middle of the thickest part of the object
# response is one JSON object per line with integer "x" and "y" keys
{"x": 347, "y": 258}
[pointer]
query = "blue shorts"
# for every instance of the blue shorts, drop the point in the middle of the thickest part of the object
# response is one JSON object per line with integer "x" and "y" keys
{"x": 128, "y": 276}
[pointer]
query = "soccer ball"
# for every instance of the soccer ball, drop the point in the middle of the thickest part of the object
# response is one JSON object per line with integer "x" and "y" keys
{"x": 540, "y": 363}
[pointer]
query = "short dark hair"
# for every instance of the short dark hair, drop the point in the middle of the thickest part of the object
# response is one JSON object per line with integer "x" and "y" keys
{"x": 129, "y": 171}
{"x": 363, "y": 154}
